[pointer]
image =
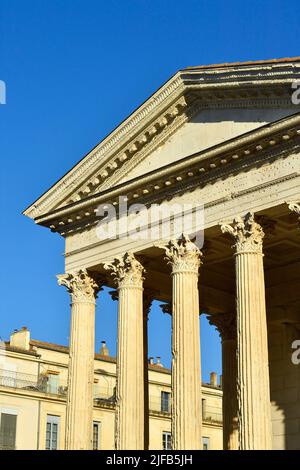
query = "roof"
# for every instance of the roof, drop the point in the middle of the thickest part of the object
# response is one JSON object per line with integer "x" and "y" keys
{"x": 116, "y": 151}
{"x": 6, "y": 345}
{"x": 245, "y": 63}
{"x": 65, "y": 349}
{"x": 226, "y": 149}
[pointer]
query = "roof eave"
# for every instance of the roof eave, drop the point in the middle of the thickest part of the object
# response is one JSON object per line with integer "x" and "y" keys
{"x": 276, "y": 133}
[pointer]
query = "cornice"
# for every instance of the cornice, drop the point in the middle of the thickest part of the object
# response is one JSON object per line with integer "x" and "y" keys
{"x": 242, "y": 72}
{"x": 124, "y": 131}
{"x": 270, "y": 83}
{"x": 198, "y": 104}
{"x": 265, "y": 143}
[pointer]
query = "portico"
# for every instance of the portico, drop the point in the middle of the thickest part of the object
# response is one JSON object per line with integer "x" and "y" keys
{"x": 231, "y": 147}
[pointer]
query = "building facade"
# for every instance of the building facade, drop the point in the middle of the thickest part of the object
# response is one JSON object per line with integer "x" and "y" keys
{"x": 33, "y": 392}
{"x": 224, "y": 141}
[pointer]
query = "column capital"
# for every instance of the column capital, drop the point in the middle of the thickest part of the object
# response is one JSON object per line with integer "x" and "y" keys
{"x": 183, "y": 255}
{"x": 148, "y": 297}
{"x": 225, "y": 323}
{"x": 248, "y": 234}
{"x": 126, "y": 270}
{"x": 294, "y": 207}
{"x": 80, "y": 285}
{"x": 114, "y": 295}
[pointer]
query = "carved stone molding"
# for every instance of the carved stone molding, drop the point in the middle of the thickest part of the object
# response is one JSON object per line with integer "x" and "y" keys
{"x": 164, "y": 105}
{"x": 247, "y": 233}
{"x": 183, "y": 255}
{"x": 225, "y": 323}
{"x": 294, "y": 207}
{"x": 81, "y": 286}
{"x": 268, "y": 225}
{"x": 126, "y": 271}
{"x": 204, "y": 167}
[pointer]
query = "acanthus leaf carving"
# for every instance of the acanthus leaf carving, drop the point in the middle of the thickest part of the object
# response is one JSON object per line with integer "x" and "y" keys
{"x": 148, "y": 298}
{"x": 80, "y": 285}
{"x": 225, "y": 323}
{"x": 183, "y": 255}
{"x": 126, "y": 271}
{"x": 248, "y": 234}
{"x": 294, "y": 207}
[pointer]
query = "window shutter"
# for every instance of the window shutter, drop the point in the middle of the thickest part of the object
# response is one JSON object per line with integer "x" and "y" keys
{"x": 8, "y": 431}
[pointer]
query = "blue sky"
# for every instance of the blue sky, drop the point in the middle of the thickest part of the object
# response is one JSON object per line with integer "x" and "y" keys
{"x": 74, "y": 69}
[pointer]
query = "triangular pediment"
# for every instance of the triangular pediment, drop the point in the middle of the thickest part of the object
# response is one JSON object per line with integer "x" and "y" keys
{"x": 196, "y": 109}
{"x": 206, "y": 129}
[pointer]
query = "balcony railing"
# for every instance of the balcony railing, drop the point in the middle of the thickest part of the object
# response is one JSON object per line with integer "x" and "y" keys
{"x": 157, "y": 406}
{"x": 103, "y": 396}
{"x": 32, "y": 382}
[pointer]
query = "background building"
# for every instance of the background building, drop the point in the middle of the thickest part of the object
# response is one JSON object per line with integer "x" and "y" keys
{"x": 33, "y": 389}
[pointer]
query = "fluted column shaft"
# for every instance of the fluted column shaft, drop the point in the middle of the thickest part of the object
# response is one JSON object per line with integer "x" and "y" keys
{"x": 229, "y": 375}
{"x": 129, "y": 429}
{"x": 147, "y": 302}
{"x": 79, "y": 413}
{"x": 254, "y": 407}
{"x": 226, "y": 326}
{"x": 184, "y": 257}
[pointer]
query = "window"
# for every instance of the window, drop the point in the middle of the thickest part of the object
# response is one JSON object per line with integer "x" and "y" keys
{"x": 8, "y": 426}
{"x": 96, "y": 435}
{"x": 165, "y": 402}
{"x": 52, "y": 385}
{"x": 52, "y": 432}
{"x": 205, "y": 443}
{"x": 166, "y": 440}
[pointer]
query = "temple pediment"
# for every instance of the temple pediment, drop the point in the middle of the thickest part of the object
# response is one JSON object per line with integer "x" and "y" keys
{"x": 207, "y": 128}
{"x": 197, "y": 109}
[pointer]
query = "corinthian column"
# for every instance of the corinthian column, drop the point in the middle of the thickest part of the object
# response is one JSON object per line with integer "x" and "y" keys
{"x": 254, "y": 409}
{"x": 184, "y": 257}
{"x": 129, "y": 429}
{"x": 226, "y": 326}
{"x": 79, "y": 419}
